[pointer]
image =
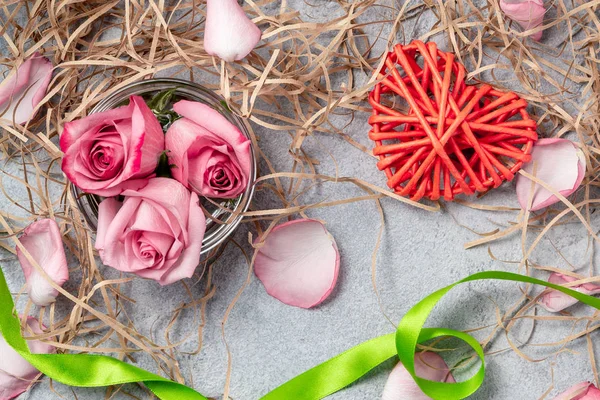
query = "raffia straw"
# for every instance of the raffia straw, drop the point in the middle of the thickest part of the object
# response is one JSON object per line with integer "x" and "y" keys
{"x": 308, "y": 82}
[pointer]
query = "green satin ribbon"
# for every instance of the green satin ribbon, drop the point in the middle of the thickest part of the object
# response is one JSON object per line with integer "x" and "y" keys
{"x": 345, "y": 369}
{"x": 84, "y": 370}
{"x": 314, "y": 384}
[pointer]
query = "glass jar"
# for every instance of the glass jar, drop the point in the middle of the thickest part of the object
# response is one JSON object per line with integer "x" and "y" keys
{"x": 223, "y": 219}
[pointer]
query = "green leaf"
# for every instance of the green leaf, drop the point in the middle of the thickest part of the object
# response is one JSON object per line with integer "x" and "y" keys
{"x": 160, "y": 100}
{"x": 225, "y": 105}
{"x": 163, "y": 170}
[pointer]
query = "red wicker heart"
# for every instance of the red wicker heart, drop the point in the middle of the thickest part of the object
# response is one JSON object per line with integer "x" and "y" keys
{"x": 455, "y": 138}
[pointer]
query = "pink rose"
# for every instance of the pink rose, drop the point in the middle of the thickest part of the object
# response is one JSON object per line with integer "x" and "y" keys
{"x": 155, "y": 233}
{"x": 106, "y": 149}
{"x": 208, "y": 153}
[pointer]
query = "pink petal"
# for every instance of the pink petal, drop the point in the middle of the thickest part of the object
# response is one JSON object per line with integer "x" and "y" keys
{"x": 400, "y": 384}
{"x": 211, "y": 120}
{"x": 73, "y": 130}
{"x": 180, "y": 136}
{"x": 229, "y": 34}
{"x": 150, "y": 138}
{"x": 21, "y": 92}
{"x": 16, "y": 374}
{"x": 560, "y": 164}
{"x": 298, "y": 263}
{"x": 188, "y": 261}
{"x": 527, "y": 13}
{"x": 555, "y": 301}
{"x": 107, "y": 210}
{"x": 581, "y": 391}
{"x": 43, "y": 241}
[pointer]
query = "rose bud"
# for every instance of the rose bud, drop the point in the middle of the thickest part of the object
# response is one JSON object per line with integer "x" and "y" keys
{"x": 155, "y": 233}
{"x": 106, "y": 149}
{"x": 209, "y": 154}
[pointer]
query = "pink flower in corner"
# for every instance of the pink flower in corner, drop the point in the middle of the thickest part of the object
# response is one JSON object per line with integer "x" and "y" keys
{"x": 401, "y": 385}
{"x": 43, "y": 241}
{"x": 16, "y": 374}
{"x": 105, "y": 150}
{"x": 208, "y": 153}
{"x": 298, "y": 263}
{"x": 22, "y": 91}
{"x": 229, "y": 33}
{"x": 555, "y": 301}
{"x": 557, "y": 162}
{"x": 581, "y": 391}
{"x": 527, "y": 13}
{"x": 155, "y": 233}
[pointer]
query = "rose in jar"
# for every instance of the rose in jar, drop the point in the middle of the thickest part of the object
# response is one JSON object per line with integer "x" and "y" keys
{"x": 155, "y": 233}
{"x": 104, "y": 150}
{"x": 208, "y": 154}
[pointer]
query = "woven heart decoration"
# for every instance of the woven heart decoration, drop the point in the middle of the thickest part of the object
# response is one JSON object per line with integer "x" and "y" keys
{"x": 455, "y": 138}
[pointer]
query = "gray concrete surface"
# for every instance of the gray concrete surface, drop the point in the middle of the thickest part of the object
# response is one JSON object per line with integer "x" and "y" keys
{"x": 420, "y": 252}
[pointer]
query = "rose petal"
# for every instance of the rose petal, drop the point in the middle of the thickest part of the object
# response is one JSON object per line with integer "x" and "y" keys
{"x": 16, "y": 374}
{"x": 555, "y": 301}
{"x": 188, "y": 261}
{"x": 73, "y": 130}
{"x": 229, "y": 33}
{"x": 108, "y": 208}
{"x": 21, "y": 92}
{"x": 527, "y": 13}
{"x": 560, "y": 164}
{"x": 401, "y": 385}
{"x": 43, "y": 241}
{"x": 581, "y": 391}
{"x": 180, "y": 136}
{"x": 211, "y": 120}
{"x": 150, "y": 138}
{"x": 298, "y": 263}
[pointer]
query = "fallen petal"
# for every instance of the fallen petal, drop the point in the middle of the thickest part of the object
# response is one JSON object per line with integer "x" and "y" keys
{"x": 555, "y": 301}
{"x": 401, "y": 385}
{"x": 16, "y": 374}
{"x": 298, "y": 263}
{"x": 229, "y": 33}
{"x": 22, "y": 91}
{"x": 581, "y": 391}
{"x": 527, "y": 13}
{"x": 43, "y": 241}
{"x": 560, "y": 164}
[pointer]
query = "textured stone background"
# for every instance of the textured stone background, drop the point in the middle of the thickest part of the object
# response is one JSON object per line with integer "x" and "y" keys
{"x": 420, "y": 252}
